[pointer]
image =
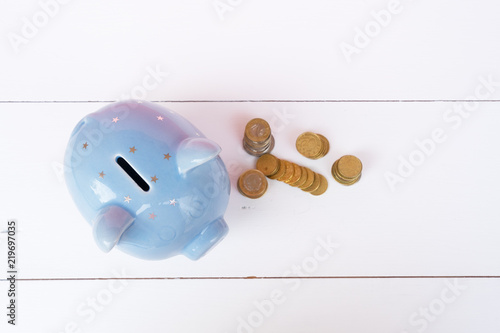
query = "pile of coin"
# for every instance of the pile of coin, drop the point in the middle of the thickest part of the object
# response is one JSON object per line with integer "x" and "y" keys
{"x": 312, "y": 145}
{"x": 347, "y": 170}
{"x": 292, "y": 174}
{"x": 252, "y": 184}
{"x": 258, "y": 139}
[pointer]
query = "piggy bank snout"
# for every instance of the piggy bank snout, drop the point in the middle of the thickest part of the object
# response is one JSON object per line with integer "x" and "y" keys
{"x": 206, "y": 239}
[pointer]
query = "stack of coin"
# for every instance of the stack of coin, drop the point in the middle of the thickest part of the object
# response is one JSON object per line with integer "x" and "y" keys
{"x": 292, "y": 174}
{"x": 312, "y": 145}
{"x": 258, "y": 139}
{"x": 347, "y": 170}
{"x": 252, "y": 184}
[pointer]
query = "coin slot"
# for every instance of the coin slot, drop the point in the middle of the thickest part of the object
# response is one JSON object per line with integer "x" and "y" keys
{"x": 132, "y": 173}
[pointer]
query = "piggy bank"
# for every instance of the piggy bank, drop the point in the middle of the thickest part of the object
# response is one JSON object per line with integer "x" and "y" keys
{"x": 147, "y": 181}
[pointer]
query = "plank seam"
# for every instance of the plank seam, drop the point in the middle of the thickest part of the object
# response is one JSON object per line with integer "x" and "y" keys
{"x": 270, "y": 278}
{"x": 277, "y": 101}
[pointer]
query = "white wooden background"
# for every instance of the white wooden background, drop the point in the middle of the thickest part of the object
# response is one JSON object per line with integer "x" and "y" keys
{"x": 420, "y": 255}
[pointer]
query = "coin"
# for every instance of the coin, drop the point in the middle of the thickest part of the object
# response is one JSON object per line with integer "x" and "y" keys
{"x": 251, "y": 150}
{"x": 291, "y": 174}
{"x": 323, "y": 186}
{"x": 347, "y": 170}
{"x": 259, "y": 149}
{"x": 297, "y": 173}
{"x": 312, "y": 145}
{"x": 281, "y": 170}
{"x": 310, "y": 179}
{"x": 252, "y": 184}
{"x": 257, "y": 130}
{"x": 349, "y": 166}
{"x": 258, "y": 139}
{"x": 326, "y": 145}
{"x": 268, "y": 164}
{"x": 315, "y": 185}
{"x": 288, "y": 172}
{"x": 340, "y": 178}
{"x": 258, "y": 145}
{"x": 309, "y": 144}
{"x": 302, "y": 179}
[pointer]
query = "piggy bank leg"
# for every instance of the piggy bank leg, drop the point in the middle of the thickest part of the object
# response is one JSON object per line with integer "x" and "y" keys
{"x": 206, "y": 239}
{"x": 109, "y": 225}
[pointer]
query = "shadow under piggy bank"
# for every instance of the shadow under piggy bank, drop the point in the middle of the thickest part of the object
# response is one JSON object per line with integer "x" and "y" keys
{"x": 147, "y": 181}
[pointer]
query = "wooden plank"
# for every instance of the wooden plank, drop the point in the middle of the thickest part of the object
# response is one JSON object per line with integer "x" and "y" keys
{"x": 95, "y": 50}
{"x": 324, "y": 305}
{"x": 441, "y": 220}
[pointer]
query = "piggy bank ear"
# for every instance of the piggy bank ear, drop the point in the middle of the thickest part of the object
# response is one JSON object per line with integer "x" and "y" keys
{"x": 109, "y": 225}
{"x": 193, "y": 152}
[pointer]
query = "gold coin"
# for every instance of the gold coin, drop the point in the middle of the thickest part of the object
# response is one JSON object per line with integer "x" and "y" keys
{"x": 326, "y": 145}
{"x": 338, "y": 176}
{"x": 309, "y": 145}
{"x": 341, "y": 178}
{"x": 349, "y": 166}
{"x": 310, "y": 179}
{"x": 268, "y": 164}
{"x": 281, "y": 170}
{"x": 302, "y": 179}
{"x": 252, "y": 184}
{"x": 323, "y": 186}
{"x": 315, "y": 185}
{"x": 288, "y": 172}
{"x": 346, "y": 183}
{"x": 257, "y": 130}
{"x": 297, "y": 173}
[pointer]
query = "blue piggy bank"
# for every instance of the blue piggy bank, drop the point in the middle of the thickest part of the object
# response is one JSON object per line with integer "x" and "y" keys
{"x": 147, "y": 181}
